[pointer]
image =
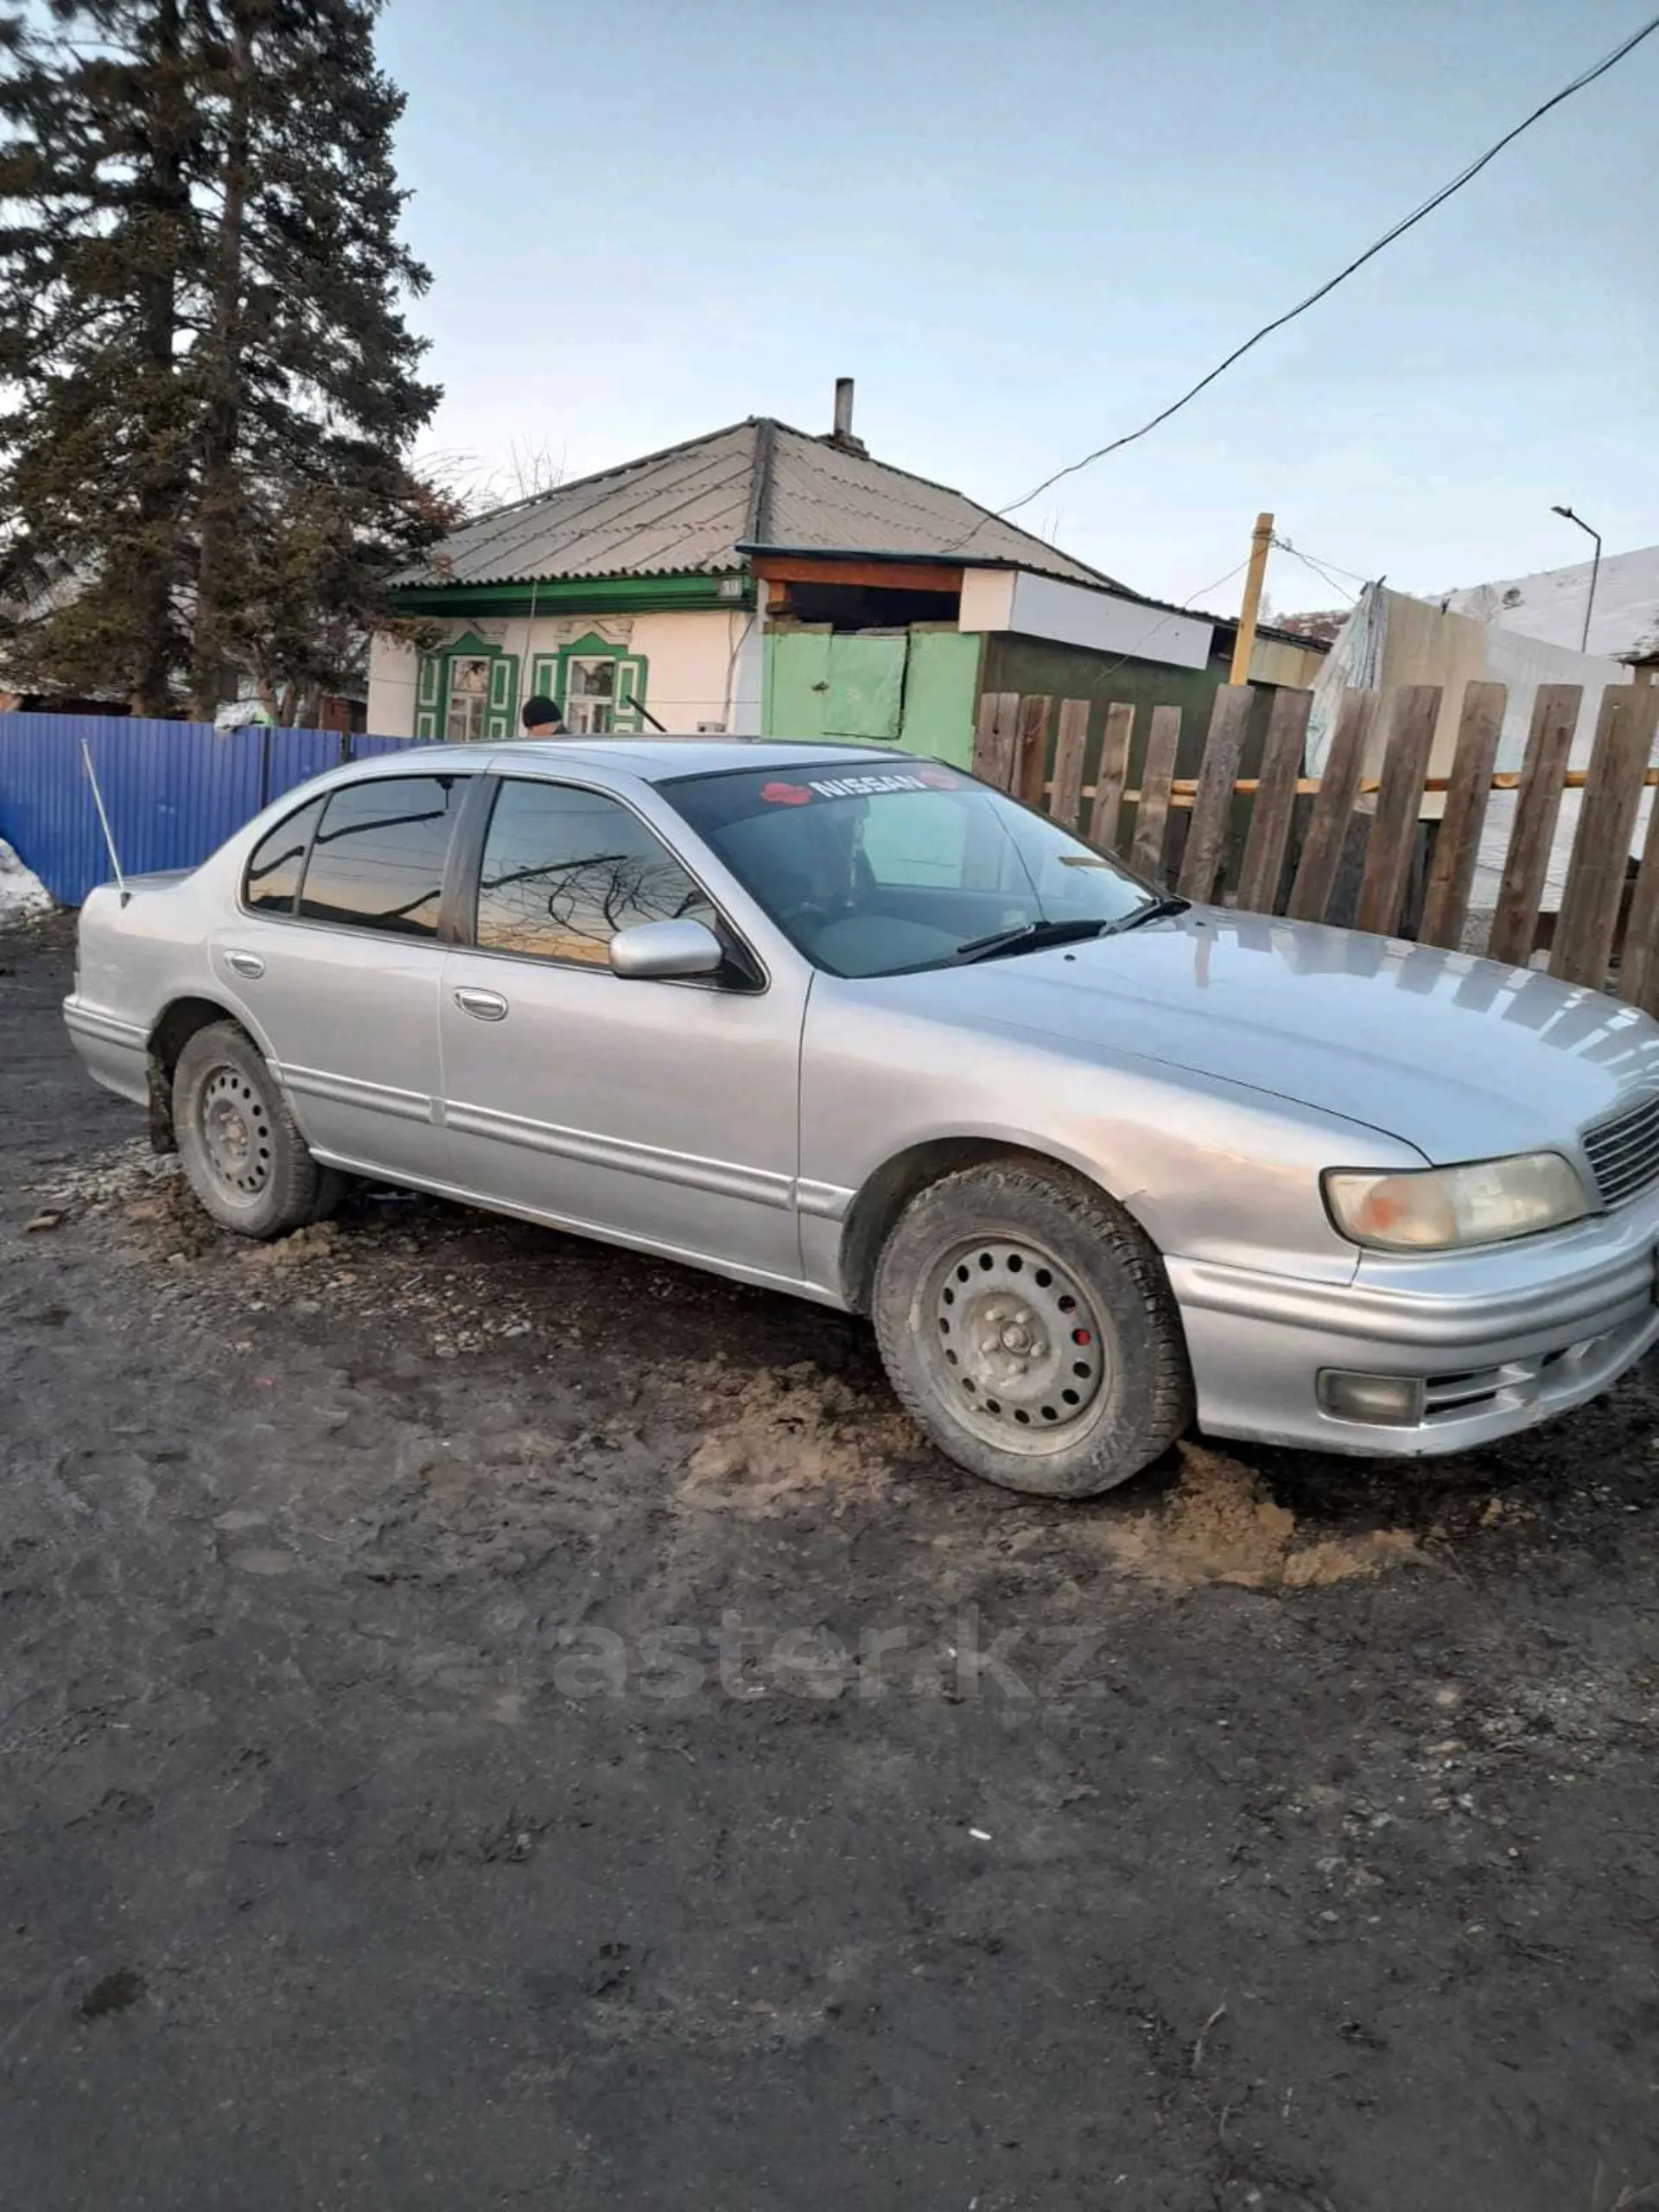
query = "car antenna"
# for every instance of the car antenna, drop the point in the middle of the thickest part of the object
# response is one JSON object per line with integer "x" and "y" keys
{"x": 103, "y": 820}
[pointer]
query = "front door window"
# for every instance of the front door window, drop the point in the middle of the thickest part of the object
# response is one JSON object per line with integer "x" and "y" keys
{"x": 565, "y": 869}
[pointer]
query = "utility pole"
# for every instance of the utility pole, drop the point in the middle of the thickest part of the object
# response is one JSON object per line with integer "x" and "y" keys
{"x": 1244, "y": 643}
{"x": 1567, "y": 515}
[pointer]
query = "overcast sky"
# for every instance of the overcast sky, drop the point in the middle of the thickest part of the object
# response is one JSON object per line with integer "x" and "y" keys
{"x": 1025, "y": 225}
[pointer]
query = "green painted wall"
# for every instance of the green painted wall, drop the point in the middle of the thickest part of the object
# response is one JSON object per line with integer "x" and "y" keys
{"x": 1032, "y": 665}
{"x": 795, "y": 682}
{"x": 915, "y": 687}
{"x": 867, "y": 685}
{"x": 942, "y": 694}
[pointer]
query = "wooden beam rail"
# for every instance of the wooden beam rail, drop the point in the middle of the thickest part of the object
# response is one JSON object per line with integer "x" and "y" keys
{"x": 1185, "y": 789}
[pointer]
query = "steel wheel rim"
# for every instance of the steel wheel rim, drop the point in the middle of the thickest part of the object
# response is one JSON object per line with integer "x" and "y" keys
{"x": 235, "y": 1134}
{"x": 1014, "y": 1343}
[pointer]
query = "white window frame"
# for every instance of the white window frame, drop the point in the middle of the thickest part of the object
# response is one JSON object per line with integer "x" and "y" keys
{"x": 581, "y": 706}
{"x": 479, "y": 699}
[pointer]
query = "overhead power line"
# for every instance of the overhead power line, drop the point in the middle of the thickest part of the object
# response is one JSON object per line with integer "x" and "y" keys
{"x": 1318, "y": 568}
{"x": 1406, "y": 223}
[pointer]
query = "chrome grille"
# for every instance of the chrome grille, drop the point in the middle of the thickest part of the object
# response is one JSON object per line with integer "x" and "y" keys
{"x": 1623, "y": 1153}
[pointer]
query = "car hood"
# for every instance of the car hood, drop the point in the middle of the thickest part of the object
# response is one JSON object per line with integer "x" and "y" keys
{"x": 1461, "y": 1057}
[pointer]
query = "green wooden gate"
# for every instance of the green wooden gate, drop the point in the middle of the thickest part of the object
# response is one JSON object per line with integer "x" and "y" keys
{"x": 912, "y": 688}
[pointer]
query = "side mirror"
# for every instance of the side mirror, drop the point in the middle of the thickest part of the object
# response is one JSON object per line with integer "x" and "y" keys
{"x": 666, "y": 949}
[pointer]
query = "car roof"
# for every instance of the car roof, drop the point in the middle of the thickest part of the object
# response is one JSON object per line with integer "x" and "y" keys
{"x": 653, "y": 759}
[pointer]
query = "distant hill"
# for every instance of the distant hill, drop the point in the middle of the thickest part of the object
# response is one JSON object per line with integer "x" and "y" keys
{"x": 1550, "y": 605}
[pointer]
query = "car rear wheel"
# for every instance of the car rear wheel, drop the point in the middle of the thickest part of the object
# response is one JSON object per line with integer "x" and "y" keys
{"x": 1027, "y": 1326}
{"x": 243, "y": 1154}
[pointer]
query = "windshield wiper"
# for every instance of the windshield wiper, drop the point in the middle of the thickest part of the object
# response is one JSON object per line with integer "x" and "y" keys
{"x": 1155, "y": 910}
{"x": 1027, "y": 936}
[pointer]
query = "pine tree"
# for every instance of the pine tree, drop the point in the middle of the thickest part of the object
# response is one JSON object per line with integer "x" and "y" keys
{"x": 213, "y": 387}
{"x": 100, "y": 246}
{"x": 310, "y": 392}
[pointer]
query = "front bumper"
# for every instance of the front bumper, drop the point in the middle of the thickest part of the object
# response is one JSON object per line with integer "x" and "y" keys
{"x": 1502, "y": 1338}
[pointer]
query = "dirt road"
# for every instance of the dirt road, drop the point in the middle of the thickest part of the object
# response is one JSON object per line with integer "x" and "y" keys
{"x": 487, "y": 1721}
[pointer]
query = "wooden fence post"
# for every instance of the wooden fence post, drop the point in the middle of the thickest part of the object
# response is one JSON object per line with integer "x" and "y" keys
{"x": 1638, "y": 972}
{"x": 1549, "y": 740}
{"x": 994, "y": 739}
{"x": 1031, "y": 757}
{"x": 1110, "y": 778}
{"x": 1206, "y": 838}
{"x": 1452, "y": 871}
{"x": 1415, "y": 709}
{"x": 1316, "y": 872}
{"x": 1595, "y": 876}
{"x": 1152, "y": 814}
{"x": 1274, "y": 803}
{"x": 1067, "y": 795}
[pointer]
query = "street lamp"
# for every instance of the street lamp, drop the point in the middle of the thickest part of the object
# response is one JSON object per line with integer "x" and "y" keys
{"x": 1567, "y": 515}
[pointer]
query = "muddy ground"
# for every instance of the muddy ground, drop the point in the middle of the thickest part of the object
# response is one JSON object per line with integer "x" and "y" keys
{"x": 489, "y": 1721}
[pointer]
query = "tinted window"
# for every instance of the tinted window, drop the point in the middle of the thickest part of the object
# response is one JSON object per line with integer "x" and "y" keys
{"x": 872, "y": 869}
{"x": 564, "y": 870}
{"x": 378, "y": 860}
{"x": 273, "y": 876}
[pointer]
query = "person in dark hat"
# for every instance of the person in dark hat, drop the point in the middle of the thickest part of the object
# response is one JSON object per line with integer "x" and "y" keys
{"x": 541, "y": 718}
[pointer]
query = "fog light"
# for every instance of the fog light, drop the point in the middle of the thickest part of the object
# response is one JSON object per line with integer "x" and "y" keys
{"x": 1396, "y": 1401}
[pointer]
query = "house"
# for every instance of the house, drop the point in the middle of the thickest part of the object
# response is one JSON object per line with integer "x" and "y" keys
{"x": 763, "y": 579}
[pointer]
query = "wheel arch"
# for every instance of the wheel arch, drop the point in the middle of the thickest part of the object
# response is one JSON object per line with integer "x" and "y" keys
{"x": 885, "y": 1193}
{"x": 179, "y": 1021}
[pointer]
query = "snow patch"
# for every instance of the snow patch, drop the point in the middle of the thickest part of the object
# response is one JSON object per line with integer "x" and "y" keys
{"x": 1550, "y": 605}
{"x": 21, "y": 891}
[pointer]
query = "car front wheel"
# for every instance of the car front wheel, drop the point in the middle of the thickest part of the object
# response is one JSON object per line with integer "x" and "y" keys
{"x": 1027, "y": 1326}
{"x": 243, "y": 1154}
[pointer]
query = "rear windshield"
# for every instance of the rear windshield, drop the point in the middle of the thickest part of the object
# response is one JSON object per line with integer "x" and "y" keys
{"x": 871, "y": 870}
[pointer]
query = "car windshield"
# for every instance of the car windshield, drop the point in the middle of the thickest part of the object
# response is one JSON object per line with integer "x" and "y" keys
{"x": 874, "y": 870}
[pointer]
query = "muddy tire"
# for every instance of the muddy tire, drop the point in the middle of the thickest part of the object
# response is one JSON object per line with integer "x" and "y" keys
{"x": 243, "y": 1154}
{"x": 1028, "y": 1327}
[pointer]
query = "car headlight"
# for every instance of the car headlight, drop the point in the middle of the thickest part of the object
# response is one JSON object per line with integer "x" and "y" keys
{"x": 1438, "y": 1209}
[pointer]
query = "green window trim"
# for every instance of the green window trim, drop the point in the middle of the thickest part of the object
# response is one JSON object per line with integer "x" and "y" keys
{"x": 550, "y": 674}
{"x": 435, "y": 681}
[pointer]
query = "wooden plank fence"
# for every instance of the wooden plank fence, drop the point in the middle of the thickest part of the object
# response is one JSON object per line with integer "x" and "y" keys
{"x": 1281, "y": 842}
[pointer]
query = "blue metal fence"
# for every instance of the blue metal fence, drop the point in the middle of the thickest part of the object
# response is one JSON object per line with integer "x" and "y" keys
{"x": 174, "y": 791}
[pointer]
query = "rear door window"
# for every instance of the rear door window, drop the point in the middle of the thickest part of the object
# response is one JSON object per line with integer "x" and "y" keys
{"x": 378, "y": 859}
{"x": 272, "y": 882}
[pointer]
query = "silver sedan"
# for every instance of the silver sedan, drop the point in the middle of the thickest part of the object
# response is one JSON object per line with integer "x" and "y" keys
{"x": 1098, "y": 1163}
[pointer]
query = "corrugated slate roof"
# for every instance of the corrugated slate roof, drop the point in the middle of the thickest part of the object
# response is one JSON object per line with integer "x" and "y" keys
{"x": 703, "y": 505}
{"x": 823, "y": 498}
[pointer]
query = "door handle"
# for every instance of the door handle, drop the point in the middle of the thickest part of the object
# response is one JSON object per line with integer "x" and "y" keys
{"x": 483, "y": 1005}
{"x": 245, "y": 964}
